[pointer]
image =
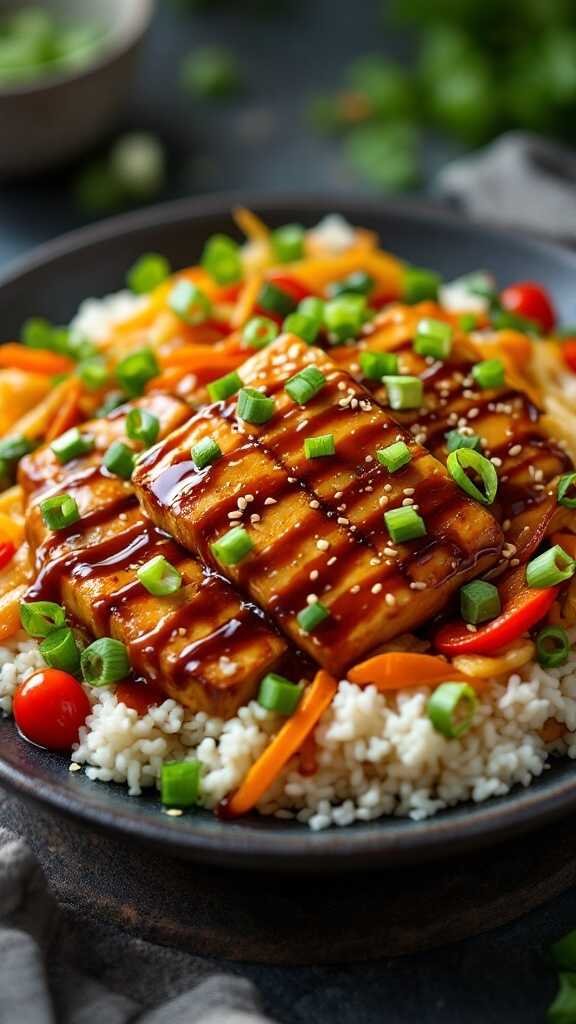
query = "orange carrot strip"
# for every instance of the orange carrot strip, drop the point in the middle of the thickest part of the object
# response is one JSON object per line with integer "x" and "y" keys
{"x": 69, "y": 412}
{"x": 399, "y": 669}
{"x": 203, "y": 360}
{"x": 36, "y": 360}
{"x": 267, "y": 768}
{"x": 566, "y": 541}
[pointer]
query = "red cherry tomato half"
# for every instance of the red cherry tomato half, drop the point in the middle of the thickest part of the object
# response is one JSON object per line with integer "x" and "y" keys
{"x": 569, "y": 353}
{"x": 7, "y": 552}
{"x": 531, "y": 301}
{"x": 49, "y": 709}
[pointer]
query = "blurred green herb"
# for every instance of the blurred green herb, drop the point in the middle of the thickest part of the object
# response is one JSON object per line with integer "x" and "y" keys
{"x": 35, "y": 43}
{"x": 133, "y": 171}
{"x": 211, "y": 73}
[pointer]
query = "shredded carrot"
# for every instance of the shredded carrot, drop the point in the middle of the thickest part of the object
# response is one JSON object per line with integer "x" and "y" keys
{"x": 69, "y": 412}
{"x": 254, "y": 228}
{"x": 566, "y": 541}
{"x": 246, "y": 301}
{"x": 10, "y": 612}
{"x": 203, "y": 360}
{"x": 36, "y": 360}
{"x": 396, "y": 670}
{"x": 552, "y": 730}
{"x": 285, "y": 744}
{"x": 308, "y": 755}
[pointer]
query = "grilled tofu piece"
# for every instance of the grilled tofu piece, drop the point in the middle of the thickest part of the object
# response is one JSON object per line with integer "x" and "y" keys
{"x": 306, "y": 547}
{"x": 203, "y": 645}
{"x": 506, "y": 419}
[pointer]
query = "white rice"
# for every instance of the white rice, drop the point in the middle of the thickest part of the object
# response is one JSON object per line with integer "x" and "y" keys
{"x": 378, "y": 754}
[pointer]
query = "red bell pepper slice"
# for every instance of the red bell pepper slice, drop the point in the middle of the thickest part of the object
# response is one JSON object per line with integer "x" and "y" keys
{"x": 522, "y": 608}
{"x": 7, "y": 552}
{"x": 569, "y": 353}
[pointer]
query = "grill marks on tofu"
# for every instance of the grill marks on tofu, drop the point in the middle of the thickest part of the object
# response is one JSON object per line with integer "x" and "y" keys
{"x": 305, "y": 546}
{"x": 203, "y": 645}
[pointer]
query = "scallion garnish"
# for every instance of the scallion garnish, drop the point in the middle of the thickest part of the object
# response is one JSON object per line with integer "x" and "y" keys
{"x": 451, "y": 709}
{"x": 233, "y": 546}
{"x": 224, "y": 387}
{"x": 463, "y": 459}
{"x": 313, "y": 309}
{"x": 105, "y": 661}
{"x": 404, "y": 392}
{"x": 312, "y": 616}
{"x": 134, "y": 372}
{"x": 552, "y": 647}
{"x": 149, "y": 271}
{"x": 552, "y": 567}
{"x": 319, "y": 447}
{"x": 180, "y": 783}
{"x": 275, "y": 300}
{"x": 305, "y": 384}
{"x": 254, "y": 407}
{"x": 59, "y": 512}
{"x": 564, "y": 951}
{"x": 394, "y": 456}
{"x": 566, "y": 487}
{"x": 455, "y": 439}
{"x": 221, "y": 259}
{"x": 279, "y": 694}
{"x": 37, "y": 332}
{"x": 142, "y": 426}
{"x": 433, "y": 338}
{"x": 467, "y": 322}
{"x": 93, "y": 373}
{"x": 112, "y": 401}
{"x": 189, "y": 302}
{"x": 159, "y": 577}
{"x": 12, "y": 449}
{"x": 404, "y": 524}
{"x": 120, "y": 460}
{"x": 489, "y": 374}
{"x": 420, "y": 284}
{"x": 60, "y": 650}
{"x": 376, "y": 365}
{"x": 206, "y": 452}
{"x": 288, "y": 243}
{"x": 40, "y": 618}
{"x": 357, "y": 283}
{"x": 72, "y": 445}
{"x": 259, "y": 332}
{"x": 479, "y": 601}
{"x": 302, "y": 326}
{"x": 344, "y": 317}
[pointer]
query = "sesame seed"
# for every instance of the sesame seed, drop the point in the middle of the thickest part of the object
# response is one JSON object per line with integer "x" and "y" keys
{"x": 236, "y": 514}
{"x": 74, "y": 767}
{"x": 242, "y": 503}
{"x": 314, "y": 574}
{"x": 338, "y": 495}
{"x": 254, "y": 518}
{"x": 322, "y": 544}
{"x": 292, "y": 480}
{"x": 391, "y": 552}
{"x": 312, "y": 599}
{"x": 369, "y": 458}
{"x": 496, "y": 461}
{"x": 332, "y": 560}
{"x": 173, "y": 812}
{"x": 408, "y": 501}
{"x": 376, "y": 588}
{"x": 374, "y": 561}
{"x": 506, "y": 524}
{"x": 270, "y": 501}
{"x": 314, "y": 503}
{"x": 355, "y": 589}
{"x": 515, "y": 450}
{"x": 471, "y": 627}
{"x": 409, "y": 491}
{"x": 390, "y": 600}
{"x": 342, "y": 521}
{"x": 417, "y": 585}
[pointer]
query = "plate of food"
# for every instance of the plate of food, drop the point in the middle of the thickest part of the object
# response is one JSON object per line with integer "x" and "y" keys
{"x": 288, "y": 531}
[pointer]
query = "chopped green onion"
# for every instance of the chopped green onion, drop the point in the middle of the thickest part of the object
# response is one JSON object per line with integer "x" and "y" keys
{"x": 159, "y": 577}
{"x": 394, "y": 456}
{"x": 12, "y": 449}
{"x": 288, "y": 243}
{"x": 37, "y": 333}
{"x": 233, "y": 546}
{"x": 357, "y": 283}
{"x": 404, "y": 524}
{"x": 137, "y": 165}
{"x": 467, "y": 322}
{"x": 120, "y": 460}
{"x": 112, "y": 400}
{"x": 550, "y": 568}
{"x": 259, "y": 332}
{"x": 149, "y": 271}
{"x": 567, "y": 484}
{"x": 211, "y": 72}
{"x": 564, "y": 952}
{"x": 454, "y": 439}
{"x": 467, "y": 458}
{"x": 318, "y": 447}
{"x": 313, "y": 309}
{"x": 489, "y": 373}
{"x": 59, "y": 512}
{"x": 563, "y": 1009}
{"x": 93, "y": 373}
{"x": 134, "y": 372}
{"x": 189, "y": 303}
{"x": 254, "y": 407}
{"x": 451, "y": 709}
{"x": 78, "y": 347}
{"x": 376, "y": 365}
{"x": 60, "y": 650}
{"x": 206, "y": 452}
{"x": 278, "y": 694}
{"x": 479, "y": 601}
{"x": 40, "y": 618}
{"x": 404, "y": 392}
{"x": 221, "y": 259}
{"x": 71, "y": 445}
{"x": 224, "y": 387}
{"x": 344, "y": 317}
{"x": 142, "y": 426}
{"x": 552, "y": 647}
{"x": 274, "y": 300}
{"x": 504, "y": 319}
{"x": 180, "y": 783}
{"x": 303, "y": 326}
{"x": 311, "y": 616}
{"x": 433, "y": 338}
{"x": 305, "y": 384}
{"x": 105, "y": 661}
{"x": 420, "y": 284}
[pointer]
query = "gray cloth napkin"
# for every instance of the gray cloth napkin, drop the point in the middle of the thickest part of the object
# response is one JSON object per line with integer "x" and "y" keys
{"x": 520, "y": 180}
{"x": 40, "y": 982}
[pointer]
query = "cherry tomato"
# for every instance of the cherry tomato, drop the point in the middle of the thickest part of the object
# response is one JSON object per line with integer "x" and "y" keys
{"x": 49, "y": 709}
{"x": 7, "y": 552}
{"x": 531, "y": 301}
{"x": 569, "y": 353}
{"x": 138, "y": 695}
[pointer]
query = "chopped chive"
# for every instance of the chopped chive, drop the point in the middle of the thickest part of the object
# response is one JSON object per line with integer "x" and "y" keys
{"x": 72, "y": 445}
{"x": 288, "y": 243}
{"x": 40, "y": 618}
{"x": 112, "y": 401}
{"x": 12, "y": 449}
{"x": 134, "y": 372}
{"x": 566, "y": 488}
{"x": 376, "y": 365}
{"x": 489, "y": 373}
{"x": 180, "y": 783}
{"x": 224, "y": 387}
{"x": 433, "y": 338}
{"x": 159, "y": 577}
{"x": 454, "y": 439}
{"x": 479, "y": 601}
{"x": 189, "y": 303}
{"x": 279, "y": 694}
{"x": 564, "y": 951}
{"x": 120, "y": 460}
{"x": 60, "y": 650}
{"x": 357, "y": 283}
{"x": 221, "y": 259}
{"x": 312, "y": 616}
{"x": 59, "y": 512}
{"x": 467, "y": 322}
{"x": 259, "y": 332}
{"x": 36, "y": 332}
{"x": 318, "y": 447}
{"x": 463, "y": 459}
{"x": 550, "y": 568}
{"x": 404, "y": 524}
{"x": 275, "y": 300}
{"x": 302, "y": 326}
{"x": 404, "y": 392}
{"x": 105, "y": 661}
{"x": 149, "y": 271}
{"x": 313, "y": 309}
{"x": 206, "y": 452}
{"x": 451, "y": 709}
{"x": 233, "y": 546}
{"x": 143, "y": 426}
{"x": 394, "y": 456}
{"x": 254, "y": 407}
{"x": 93, "y": 373}
{"x": 552, "y": 647}
{"x": 344, "y": 317}
{"x": 420, "y": 284}
{"x": 305, "y": 384}
{"x": 563, "y": 1009}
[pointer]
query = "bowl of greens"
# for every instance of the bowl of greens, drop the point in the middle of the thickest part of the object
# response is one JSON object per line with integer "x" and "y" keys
{"x": 65, "y": 67}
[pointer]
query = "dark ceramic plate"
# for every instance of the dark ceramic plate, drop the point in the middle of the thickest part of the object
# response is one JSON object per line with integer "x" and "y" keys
{"x": 52, "y": 282}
